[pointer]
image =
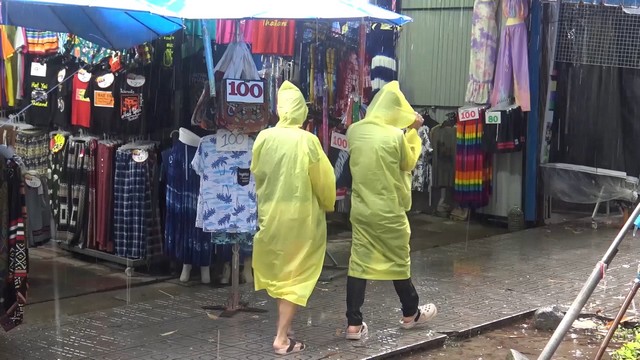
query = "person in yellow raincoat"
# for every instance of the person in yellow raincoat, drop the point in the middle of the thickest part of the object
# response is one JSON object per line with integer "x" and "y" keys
{"x": 296, "y": 186}
{"x": 384, "y": 149}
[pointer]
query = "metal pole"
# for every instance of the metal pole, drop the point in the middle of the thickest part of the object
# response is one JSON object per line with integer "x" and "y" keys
{"x": 587, "y": 290}
{"x": 618, "y": 319}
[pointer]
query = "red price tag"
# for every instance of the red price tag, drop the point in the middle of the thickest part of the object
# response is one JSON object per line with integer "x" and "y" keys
{"x": 467, "y": 114}
{"x": 247, "y": 92}
{"x": 339, "y": 141}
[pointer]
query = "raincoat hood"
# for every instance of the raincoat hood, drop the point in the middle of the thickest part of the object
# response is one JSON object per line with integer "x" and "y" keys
{"x": 292, "y": 108}
{"x": 390, "y": 107}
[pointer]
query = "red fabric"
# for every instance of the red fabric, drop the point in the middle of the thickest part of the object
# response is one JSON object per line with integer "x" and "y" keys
{"x": 80, "y": 106}
{"x": 274, "y": 37}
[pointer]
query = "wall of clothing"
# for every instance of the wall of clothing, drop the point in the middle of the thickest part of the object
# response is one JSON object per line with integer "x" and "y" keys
{"x": 99, "y": 128}
{"x": 14, "y": 256}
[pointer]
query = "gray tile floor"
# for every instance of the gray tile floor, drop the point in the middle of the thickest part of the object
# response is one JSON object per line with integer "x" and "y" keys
{"x": 473, "y": 284}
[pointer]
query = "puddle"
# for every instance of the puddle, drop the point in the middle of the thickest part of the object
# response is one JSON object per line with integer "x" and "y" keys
{"x": 581, "y": 343}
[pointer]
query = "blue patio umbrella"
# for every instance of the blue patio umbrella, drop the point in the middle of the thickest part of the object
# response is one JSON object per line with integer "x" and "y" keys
{"x": 280, "y": 9}
{"x": 114, "y": 24}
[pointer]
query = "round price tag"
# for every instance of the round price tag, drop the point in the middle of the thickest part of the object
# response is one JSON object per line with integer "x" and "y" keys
{"x": 140, "y": 156}
{"x": 57, "y": 143}
{"x": 32, "y": 181}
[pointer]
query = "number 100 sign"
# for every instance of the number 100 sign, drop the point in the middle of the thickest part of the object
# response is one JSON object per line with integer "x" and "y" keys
{"x": 245, "y": 91}
{"x": 467, "y": 114}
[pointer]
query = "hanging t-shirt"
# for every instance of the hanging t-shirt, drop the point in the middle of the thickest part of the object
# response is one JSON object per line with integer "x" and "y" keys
{"x": 80, "y": 104}
{"x": 103, "y": 90}
{"x": 131, "y": 103}
{"x": 273, "y": 37}
{"x": 164, "y": 79}
{"x": 226, "y": 31}
{"x": 227, "y": 200}
{"x": 39, "y": 80}
{"x": 61, "y": 97}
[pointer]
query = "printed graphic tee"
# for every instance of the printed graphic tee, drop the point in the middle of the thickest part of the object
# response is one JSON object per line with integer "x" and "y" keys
{"x": 61, "y": 97}
{"x": 131, "y": 104}
{"x": 80, "y": 104}
{"x": 274, "y": 37}
{"x": 103, "y": 104}
{"x": 40, "y": 79}
{"x": 227, "y": 199}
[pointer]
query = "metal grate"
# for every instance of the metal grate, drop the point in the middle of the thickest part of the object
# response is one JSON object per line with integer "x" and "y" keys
{"x": 598, "y": 35}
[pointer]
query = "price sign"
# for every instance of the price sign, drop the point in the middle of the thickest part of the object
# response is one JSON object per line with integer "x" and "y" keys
{"x": 494, "y": 117}
{"x": 38, "y": 69}
{"x": 467, "y": 114}
{"x": 139, "y": 155}
{"x": 32, "y": 181}
{"x": 57, "y": 143}
{"x": 339, "y": 141}
{"x": 229, "y": 141}
{"x": 247, "y": 92}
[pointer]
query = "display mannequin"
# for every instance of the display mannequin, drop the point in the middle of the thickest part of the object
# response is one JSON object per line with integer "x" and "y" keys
{"x": 189, "y": 138}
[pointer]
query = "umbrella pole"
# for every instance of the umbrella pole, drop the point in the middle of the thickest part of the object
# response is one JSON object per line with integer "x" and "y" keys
{"x": 618, "y": 319}
{"x": 363, "y": 54}
{"x": 587, "y": 290}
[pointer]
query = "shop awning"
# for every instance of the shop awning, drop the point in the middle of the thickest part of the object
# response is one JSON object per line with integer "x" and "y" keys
{"x": 115, "y": 24}
{"x": 279, "y": 9}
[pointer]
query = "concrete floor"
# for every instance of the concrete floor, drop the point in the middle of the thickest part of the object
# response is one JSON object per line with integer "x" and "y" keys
{"x": 476, "y": 285}
{"x": 57, "y": 274}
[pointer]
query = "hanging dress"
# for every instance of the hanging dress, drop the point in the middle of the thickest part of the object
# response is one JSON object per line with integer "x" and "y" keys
{"x": 484, "y": 43}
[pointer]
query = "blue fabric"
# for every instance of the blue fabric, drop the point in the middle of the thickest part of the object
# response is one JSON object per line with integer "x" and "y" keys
{"x": 184, "y": 242}
{"x": 225, "y": 204}
{"x": 114, "y": 24}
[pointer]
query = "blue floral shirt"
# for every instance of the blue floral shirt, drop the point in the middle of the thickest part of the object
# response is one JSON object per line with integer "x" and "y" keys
{"x": 227, "y": 200}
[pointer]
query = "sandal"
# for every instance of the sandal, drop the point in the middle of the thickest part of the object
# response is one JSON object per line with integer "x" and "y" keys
{"x": 364, "y": 330}
{"x": 425, "y": 314}
{"x": 294, "y": 347}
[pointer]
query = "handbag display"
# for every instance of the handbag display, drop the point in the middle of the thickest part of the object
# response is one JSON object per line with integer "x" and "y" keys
{"x": 244, "y": 105}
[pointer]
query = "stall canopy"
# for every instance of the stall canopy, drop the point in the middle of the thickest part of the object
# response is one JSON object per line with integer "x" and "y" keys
{"x": 280, "y": 9}
{"x": 115, "y": 24}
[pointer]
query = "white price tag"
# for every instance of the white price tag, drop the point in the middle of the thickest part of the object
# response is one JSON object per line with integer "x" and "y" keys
{"x": 140, "y": 156}
{"x": 339, "y": 141}
{"x": 470, "y": 113}
{"x": 248, "y": 92}
{"x": 32, "y": 181}
{"x": 493, "y": 117}
{"x": 38, "y": 69}
{"x": 228, "y": 141}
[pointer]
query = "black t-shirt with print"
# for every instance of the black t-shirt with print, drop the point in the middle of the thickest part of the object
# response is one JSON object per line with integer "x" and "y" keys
{"x": 102, "y": 91}
{"x": 39, "y": 80}
{"x": 61, "y": 97}
{"x": 164, "y": 79}
{"x": 131, "y": 105}
{"x": 196, "y": 77}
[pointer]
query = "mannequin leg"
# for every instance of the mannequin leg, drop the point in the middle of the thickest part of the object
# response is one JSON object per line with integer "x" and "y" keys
{"x": 205, "y": 275}
{"x": 226, "y": 274}
{"x": 247, "y": 272}
{"x": 186, "y": 273}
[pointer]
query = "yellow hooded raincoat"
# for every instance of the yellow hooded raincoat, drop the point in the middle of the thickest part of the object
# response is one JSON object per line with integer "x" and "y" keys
{"x": 296, "y": 185}
{"x": 382, "y": 158}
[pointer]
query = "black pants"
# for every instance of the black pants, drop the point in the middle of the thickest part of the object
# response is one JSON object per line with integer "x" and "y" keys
{"x": 355, "y": 298}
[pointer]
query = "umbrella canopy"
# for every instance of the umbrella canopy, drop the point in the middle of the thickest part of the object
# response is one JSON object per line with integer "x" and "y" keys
{"x": 280, "y": 9}
{"x": 115, "y": 24}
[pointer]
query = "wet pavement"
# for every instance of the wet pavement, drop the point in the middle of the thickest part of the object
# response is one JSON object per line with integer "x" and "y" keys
{"x": 476, "y": 285}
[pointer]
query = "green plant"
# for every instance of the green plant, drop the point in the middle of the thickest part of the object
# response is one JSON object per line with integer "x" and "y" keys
{"x": 631, "y": 349}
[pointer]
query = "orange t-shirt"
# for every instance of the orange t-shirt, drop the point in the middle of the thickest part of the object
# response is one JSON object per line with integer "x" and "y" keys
{"x": 274, "y": 37}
